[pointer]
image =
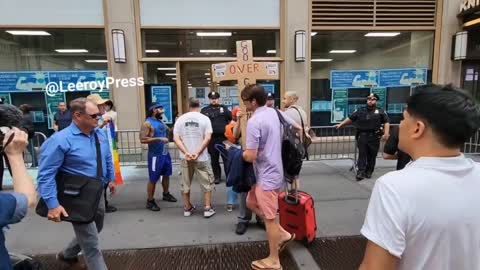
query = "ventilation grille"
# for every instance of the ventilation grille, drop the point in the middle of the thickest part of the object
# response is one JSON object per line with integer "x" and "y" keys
{"x": 371, "y": 13}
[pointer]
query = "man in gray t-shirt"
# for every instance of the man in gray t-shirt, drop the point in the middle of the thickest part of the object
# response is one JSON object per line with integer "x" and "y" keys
{"x": 297, "y": 114}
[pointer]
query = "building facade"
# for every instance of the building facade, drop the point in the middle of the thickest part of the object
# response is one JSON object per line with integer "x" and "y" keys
{"x": 332, "y": 53}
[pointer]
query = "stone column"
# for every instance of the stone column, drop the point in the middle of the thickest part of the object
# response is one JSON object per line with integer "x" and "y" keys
{"x": 119, "y": 14}
{"x": 449, "y": 71}
{"x": 297, "y": 73}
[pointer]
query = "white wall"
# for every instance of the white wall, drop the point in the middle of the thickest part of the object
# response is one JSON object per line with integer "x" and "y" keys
{"x": 215, "y": 13}
{"x": 51, "y": 12}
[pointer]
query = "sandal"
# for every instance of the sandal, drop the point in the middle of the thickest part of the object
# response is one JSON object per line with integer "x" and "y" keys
{"x": 284, "y": 244}
{"x": 260, "y": 265}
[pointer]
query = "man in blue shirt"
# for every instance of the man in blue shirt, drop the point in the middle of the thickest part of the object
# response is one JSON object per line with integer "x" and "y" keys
{"x": 13, "y": 206}
{"x": 154, "y": 133}
{"x": 73, "y": 151}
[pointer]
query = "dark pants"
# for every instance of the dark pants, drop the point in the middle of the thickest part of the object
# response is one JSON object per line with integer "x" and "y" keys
{"x": 215, "y": 155}
{"x": 368, "y": 145}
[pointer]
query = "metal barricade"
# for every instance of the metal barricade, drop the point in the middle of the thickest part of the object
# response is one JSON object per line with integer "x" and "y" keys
{"x": 472, "y": 147}
{"x": 32, "y": 153}
{"x": 133, "y": 153}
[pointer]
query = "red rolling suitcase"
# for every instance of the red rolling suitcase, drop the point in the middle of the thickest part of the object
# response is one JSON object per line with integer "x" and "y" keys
{"x": 297, "y": 215}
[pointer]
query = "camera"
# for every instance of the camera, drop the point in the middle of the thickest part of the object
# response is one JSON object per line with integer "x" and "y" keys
{"x": 10, "y": 116}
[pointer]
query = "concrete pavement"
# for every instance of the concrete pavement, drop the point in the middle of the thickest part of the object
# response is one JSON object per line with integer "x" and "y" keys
{"x": 340, "y": 203}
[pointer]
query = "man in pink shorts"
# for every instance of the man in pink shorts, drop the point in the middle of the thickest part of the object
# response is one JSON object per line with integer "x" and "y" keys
{"x": 264, "y": 136}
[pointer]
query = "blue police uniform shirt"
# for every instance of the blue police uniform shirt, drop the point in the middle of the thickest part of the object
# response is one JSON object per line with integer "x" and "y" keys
{"x": 13, "y": 207}
{"x": 72, "y": 152}
{"x": 160, "y": 131}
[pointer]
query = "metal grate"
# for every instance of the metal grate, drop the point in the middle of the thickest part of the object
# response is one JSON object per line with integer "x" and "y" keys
{"x": 373, "y": 13}
{"x": 209, "y": 257}
{"x": 345, "y": 253}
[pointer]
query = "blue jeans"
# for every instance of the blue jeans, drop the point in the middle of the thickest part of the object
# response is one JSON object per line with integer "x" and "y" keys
{"x": 232, "y": 196}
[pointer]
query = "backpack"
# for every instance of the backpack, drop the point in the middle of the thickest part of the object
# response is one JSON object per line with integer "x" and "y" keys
{"x": 293, "y": 150}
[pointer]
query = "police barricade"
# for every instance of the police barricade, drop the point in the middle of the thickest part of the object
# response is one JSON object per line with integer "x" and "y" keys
{"x": 133, "y": 153}
{"x": 32, "y": 153}
{"x": 472, "y": 147}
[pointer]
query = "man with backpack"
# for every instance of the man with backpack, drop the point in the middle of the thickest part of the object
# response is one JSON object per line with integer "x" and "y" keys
{"x": 298, "y": 115}
{"x": 264, "y": 149}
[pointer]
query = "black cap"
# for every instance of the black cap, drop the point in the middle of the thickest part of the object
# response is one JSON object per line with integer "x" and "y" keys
{"x": 373, "y": 95}
{"x": 270, "y": 96}
{"x": 213, "y": 95}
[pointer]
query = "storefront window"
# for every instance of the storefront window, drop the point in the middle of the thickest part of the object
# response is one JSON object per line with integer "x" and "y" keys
{"x": 30, "y": 60}
{"x": 211, "y": 43}
{"x": 347, "y": 66}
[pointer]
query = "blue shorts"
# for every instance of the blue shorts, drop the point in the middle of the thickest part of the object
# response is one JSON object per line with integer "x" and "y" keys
{"x": 159, "y": 165}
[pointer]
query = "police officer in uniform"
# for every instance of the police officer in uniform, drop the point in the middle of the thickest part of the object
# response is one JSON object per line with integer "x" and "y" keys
{"x": 220, "y": 116}
{"x": 368, "y": 121}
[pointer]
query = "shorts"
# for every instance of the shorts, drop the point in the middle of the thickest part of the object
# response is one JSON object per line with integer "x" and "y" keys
{"x": 159, "y": 165}
{"x": 204, "y": 175}
{"x": 265, "y": 200}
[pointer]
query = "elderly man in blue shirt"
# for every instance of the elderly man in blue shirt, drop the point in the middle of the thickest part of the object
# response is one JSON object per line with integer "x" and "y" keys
{"x": 13, "y": 206}
{"x": 73, "y": 151}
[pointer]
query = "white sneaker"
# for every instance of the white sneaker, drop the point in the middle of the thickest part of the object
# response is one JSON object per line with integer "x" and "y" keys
{"x": 189, "y": 212}
{"x": 208, "y": 213}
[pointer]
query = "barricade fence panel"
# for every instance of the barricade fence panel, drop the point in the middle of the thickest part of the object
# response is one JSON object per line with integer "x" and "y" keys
{"x": 328, "y": 143}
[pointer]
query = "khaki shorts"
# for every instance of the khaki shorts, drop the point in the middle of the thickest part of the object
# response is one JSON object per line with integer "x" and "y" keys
{"x": 204, "y": 175}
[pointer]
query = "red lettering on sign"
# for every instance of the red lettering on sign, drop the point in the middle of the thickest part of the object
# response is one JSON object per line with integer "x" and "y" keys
{"x": 232, "y": 69}
{"x": 241, "y": 69}
{"x": 256, "y": 67}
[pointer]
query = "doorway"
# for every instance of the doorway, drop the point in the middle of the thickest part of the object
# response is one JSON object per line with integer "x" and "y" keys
{"x": 470, "y": 78}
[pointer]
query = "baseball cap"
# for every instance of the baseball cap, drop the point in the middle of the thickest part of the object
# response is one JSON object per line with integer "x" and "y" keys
{"x": 97, "y": 99}
{"x": 155, "y": 106}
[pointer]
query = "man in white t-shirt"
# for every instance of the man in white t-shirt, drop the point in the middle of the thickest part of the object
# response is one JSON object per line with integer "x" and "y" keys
{"x": 425, "y": 216}
{"x": 192, "y": 133}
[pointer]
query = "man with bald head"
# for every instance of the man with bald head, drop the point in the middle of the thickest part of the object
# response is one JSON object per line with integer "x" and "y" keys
{"x": 297, "y": 114}
{"x": 73, "y": 151}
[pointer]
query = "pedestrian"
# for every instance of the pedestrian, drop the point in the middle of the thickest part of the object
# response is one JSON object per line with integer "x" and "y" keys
{"x": 63, "y": 118}
{"x": 14, "y": 205}
{"x": 27, "y": 125}
{"x": 424, "y": 216}
{"x": 391, "y": 151}
{"x": 245, "y": 214}
{"x": 368, "y": 122}
{"x": 71, "y": 152}
{"x": 270, "y": 100}
{"x": 263, "y": 148}
{"x": 219, "y": 116}
{"x": 232, "y": 133}
{"x": 155, "y": 133}
{"x": 103, "y": 123}
{"x": 110, "y": 111}
{"x": 297, "y": 114}
{"x": 192, "y": 133}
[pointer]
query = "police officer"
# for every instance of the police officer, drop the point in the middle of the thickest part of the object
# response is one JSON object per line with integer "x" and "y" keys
{"x": 220, "y": 116}
{"x": 270, "y": 100}
{"x": 368, "y": 121}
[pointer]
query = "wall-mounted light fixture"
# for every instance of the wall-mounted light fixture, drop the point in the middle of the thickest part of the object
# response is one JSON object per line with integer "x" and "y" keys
{"x": 459, "y": 45}
{"x": 119, "y": 52}
{"x": 300, "y": 45}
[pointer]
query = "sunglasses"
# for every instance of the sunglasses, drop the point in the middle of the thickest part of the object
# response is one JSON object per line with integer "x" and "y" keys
{"x": 93, "y": 116}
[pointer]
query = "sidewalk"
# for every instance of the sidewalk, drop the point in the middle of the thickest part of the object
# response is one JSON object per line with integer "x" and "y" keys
{"x": 340, "y": 204}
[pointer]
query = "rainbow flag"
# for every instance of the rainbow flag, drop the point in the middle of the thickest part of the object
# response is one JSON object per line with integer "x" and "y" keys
{"x": 113, "y": 146}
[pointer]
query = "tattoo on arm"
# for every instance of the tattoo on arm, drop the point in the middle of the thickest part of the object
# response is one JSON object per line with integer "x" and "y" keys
{"x": 145, "y": 136}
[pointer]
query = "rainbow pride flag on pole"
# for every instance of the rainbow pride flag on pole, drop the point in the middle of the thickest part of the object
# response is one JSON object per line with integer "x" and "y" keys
{"x": 113, "y": 146}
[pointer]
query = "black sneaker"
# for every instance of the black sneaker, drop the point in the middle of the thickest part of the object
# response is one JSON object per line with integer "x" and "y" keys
{"x": 217, "y": 181}
{"x": 152, "y": 205}
{"x": 110, "y": 209}
{"x": 360, "y": 176}
{"x": 169, "y": 197}
{"x": 241, "y": 228}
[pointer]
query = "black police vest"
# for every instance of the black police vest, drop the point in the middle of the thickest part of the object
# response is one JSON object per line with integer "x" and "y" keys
{"x": 219, "y": 118}
{"x": 369, "y": 121}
